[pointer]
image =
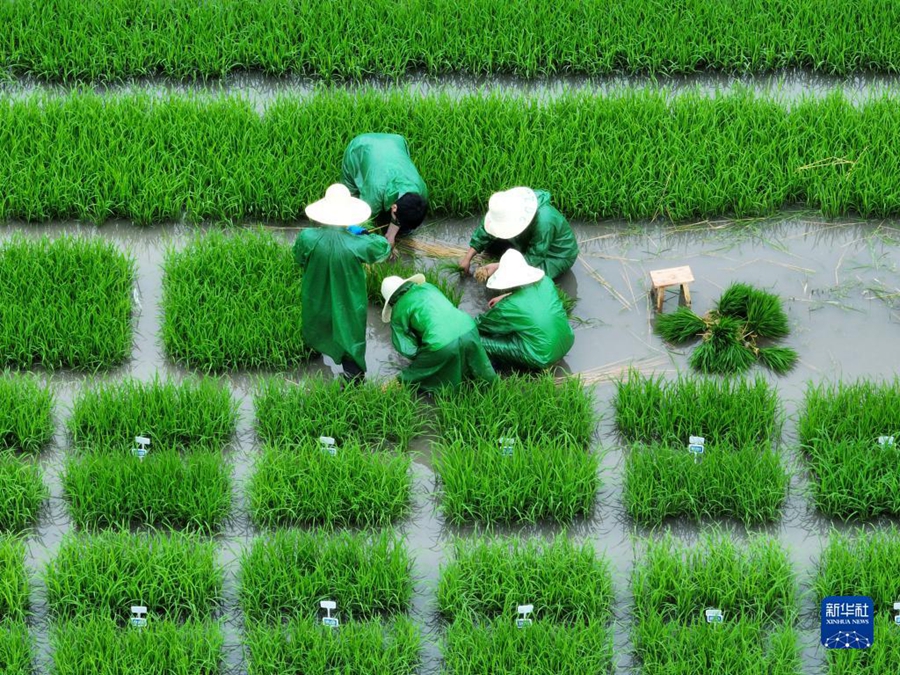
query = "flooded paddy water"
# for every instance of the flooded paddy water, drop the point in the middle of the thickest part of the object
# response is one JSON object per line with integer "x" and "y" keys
{"x": 840, "y": 282}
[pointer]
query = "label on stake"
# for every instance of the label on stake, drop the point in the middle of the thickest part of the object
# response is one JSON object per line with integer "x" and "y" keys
{"x": 714, "y": 616}
{"x": 141, "y": 451}
{"x": 329, "y": 621}
{"x": 524, "y": 611}
{"x": 897, "y": 609}
{"x": 138, "y": 616}
{"x": 327, "y": 443}
{"x": 886, "y": 441}
{"x": 507, "y": 444}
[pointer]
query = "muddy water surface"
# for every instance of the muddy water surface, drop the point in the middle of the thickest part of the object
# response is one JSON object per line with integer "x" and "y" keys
{"x": 840, "y": 283}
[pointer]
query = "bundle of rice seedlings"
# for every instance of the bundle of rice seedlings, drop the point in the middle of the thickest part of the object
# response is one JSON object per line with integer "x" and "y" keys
{"x": 680, "y": 326}
{"x": 375, "y": 274}
{"x": 760, "y": 310}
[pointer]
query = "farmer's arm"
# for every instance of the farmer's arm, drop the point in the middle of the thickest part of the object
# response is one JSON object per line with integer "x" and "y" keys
{"x": 402, "y": 336}
{"x": 479, "y": 241}
{"x": 495, "y": 321}
{"x": 374, "y": 248}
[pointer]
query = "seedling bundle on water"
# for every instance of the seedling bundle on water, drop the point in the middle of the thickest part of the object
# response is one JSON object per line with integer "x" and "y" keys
{"x": 730, "y": 333}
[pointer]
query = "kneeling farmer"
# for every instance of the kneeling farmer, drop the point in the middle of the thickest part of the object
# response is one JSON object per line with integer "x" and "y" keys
{"x": 441, "y": 340}
{"x": 377, "y": 168}
{"x": 523, "y": 219}
{"x": 334, "y": 282}
{"x": 527, "y": 326}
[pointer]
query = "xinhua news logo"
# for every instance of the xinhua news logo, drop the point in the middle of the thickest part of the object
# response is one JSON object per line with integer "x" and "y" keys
{"x": 848, "y": 622}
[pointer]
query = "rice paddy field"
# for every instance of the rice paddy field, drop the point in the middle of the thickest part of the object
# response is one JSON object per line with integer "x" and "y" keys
{"x": 164, "y": 429}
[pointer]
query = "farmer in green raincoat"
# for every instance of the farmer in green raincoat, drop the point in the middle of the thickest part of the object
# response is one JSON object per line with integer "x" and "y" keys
{"x": 441, "y": 340}
{"x": 377, "y": 168}
{"x": 334, "y": 282}
{"x": 527, "y": 326}
{"x": 524, "y": 219}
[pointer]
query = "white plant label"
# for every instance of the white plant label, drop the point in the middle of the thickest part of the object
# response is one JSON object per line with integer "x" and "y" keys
{"x": 138, "y": 616}
{"x": 507, "y": 445}
{"x": 897, "y": 609}
{"x": 329, "y": 621}
{"x": 886, "y": 441}
{"x": 141, "y": 450}
{"x": 714, "y": 616}
{"x": 328, "y": 444}
{"x": 524, "y": 611}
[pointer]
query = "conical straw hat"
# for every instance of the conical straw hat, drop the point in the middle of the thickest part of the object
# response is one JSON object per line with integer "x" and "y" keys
{"x": 514, "y": 271}
{"x": 510, "y": 212}
{"x": 338, "y": 207}
{"x": 391, "y": 285}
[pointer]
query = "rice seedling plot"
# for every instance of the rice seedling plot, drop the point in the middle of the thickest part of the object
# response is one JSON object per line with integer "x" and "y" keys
{"x": 15, "y": 648}
{"x": 304, "y": 484}
{"x": 882, "y": 657}
{"x": 182, "y": 39}
{"x": 64, "y": 303}
{"x": 26, "y": 414}
{"x": 99, "y": 645}
{"x": 501, "y": 648}
{"x": 287, "y": 574}
{"x": 849, "y": 433}
{"x": 530, "y": 481}
{"x": 639, "y": 155}
{"x": 866, "y": 564}
{"x": 14, "y": 603}
{"x": 22, "y": 492}
{"x": 101, "y": 576}
{"x": 755, "y": 588}
{"x": 304, "y": 646}
{"x": 232, "y": 301}
{"x": 730, "y": 332}
{"x": 489, "y": 578}
{"x": 442, "y": 278}
{"x": 371, "y": 414}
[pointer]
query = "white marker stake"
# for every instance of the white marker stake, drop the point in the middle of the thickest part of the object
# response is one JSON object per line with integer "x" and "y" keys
{"x": 330, "y": 621}
{"x": 524, "y": 611}
{"x": 714, "y": 616}
{"x": 507, "y": 444}
{"x": 138, "y": 616}
{"x": 141, "y": 451}
{"x": 897, "y": 609}
{"x": 696, "y": 446}
{"x": 327, "y": 443}
{"x": 886, "y": 441}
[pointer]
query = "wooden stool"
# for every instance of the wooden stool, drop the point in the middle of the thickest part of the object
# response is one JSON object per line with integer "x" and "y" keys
{"x": 674, "y": 276}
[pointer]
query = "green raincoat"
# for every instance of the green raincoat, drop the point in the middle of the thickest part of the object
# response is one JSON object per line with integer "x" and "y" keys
{"x": 441, "y": 340}
{"x": 529, "y": 328}
{"x": 548, "y": 242}
{"x": 334, "y": 289}
{"x": 377, "y": 169}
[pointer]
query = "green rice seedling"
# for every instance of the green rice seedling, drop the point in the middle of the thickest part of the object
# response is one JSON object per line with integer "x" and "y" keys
{"x": 761, "y": 310}
{"x": 64, "y": 303}
{"x": 544, "y": 647}
{"x": 15, "y": 648}
{"x": 734, "y": 647}
{"x": 303, "y": 645}
{"x": 882, "y": 657}
{"x": 735, "y": 412}
{"x": 722, "y": 354}
{"x": 542, "y": 480}
{"x": 529, "y": 407}
{"x": 286, "y": 574}
{"x": 849, "y": 411}
{"x": 747, "y": 483}
{"x": 22, "y": 492}
{"x": 779, "y": 360}
{"x": 162, "y": 490}
{"x": 489, "y": 578}
{"x": 26, "y": 414}
{"x": 375, "y": 274}
{"x": 305, "y": 485}
{"x": 568, "y": 302}
{"x": 734, "y": 300}
{"x": 196, "y": 414}
{"x": 232, "y": 301}
{"x": 175, "y": 576}
{"x": 680, "y": 326}
{"x": 99, "y": 645}
{"x": 865, "y": 564}
{"x": 14, "y": 603}
{"x": 749, "y": 583}
{"x": 371, "y": 414}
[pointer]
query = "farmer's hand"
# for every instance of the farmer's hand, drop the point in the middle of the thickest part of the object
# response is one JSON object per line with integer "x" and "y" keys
{"x": 494, "y": 301}
{"x": 466, "y": 261}
{"x": 489, "y": 269}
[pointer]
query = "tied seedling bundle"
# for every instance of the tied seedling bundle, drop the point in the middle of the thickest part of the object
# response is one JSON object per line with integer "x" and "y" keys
{"x": 731, "y": 332}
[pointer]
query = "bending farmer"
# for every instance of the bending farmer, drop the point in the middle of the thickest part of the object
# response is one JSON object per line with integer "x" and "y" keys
{"x": 334, "y": 282}
{"x": 377, "y": 169}
{"x": 523, "y": 219}
{"x": 441, "y": 340}
{"x": 526, "y": 327}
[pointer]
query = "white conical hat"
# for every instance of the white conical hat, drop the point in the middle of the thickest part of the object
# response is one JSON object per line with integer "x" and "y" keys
{"x": 514, "y": 271}
{"x": 389, "y": 286}
{"x": 338, "y": 207}
{"x": 510, "y": 212}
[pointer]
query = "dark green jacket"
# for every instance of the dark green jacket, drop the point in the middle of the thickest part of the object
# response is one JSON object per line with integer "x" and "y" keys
{"x": 548, "y": 242}
{"x": 334, "y": 289}
{"x": 377, "y": 169}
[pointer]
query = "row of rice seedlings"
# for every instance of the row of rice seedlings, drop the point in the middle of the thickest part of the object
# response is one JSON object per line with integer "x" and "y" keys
{"x": 501, "y": 648}
{"x": 375, "y": 274}
{"x": 532, "y": 481}
{"x": 162, "y": 490}
{"x": 303, "y": 645}
{"x": 640, "y": 154}
{"x": 99, "y": 645}
{"x": 882, "y": 657}
{"x": 286, "y": 574}
{"x": 530, "y": 408}
{"x": 854, "y": 475}
{"x": 26, "y": 414}
{"x": 371, "y": 414}
{"x": 22, "y": 492}
{"x": 195, "y": 414}
{"x": 305, "y": 485}
{"x": 183, "y": 39}
{"x": 748, "y": 484}
{"x": 232, "y": 301}
{"x": 14, "y": 586}
{"x": 15, "y": 648}
{"x": 64, "y": 303}
{"x": 735, "y": 412}
{"x": 489, "y": 578}
{"x": 175, "y": 576}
